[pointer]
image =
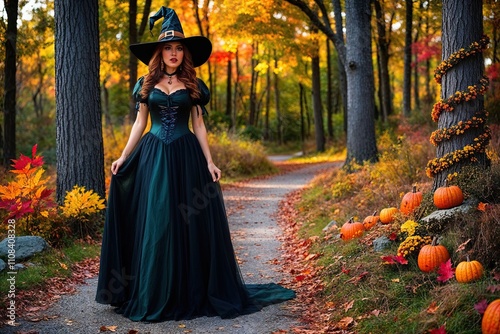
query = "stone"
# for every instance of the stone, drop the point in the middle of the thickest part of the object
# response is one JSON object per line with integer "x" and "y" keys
{"x": 448, "y": 214}
{"x": 330, "y": 226}
{"x": 25, "y": 247}
{"x": 2, "y": 265}
{"x": 381, "y": 243}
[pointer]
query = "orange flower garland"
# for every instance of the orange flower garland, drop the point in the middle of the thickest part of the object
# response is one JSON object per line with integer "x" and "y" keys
{"x": 456, "y": 57}
{"x": 479, "y": 144}
{"x": 459, "y": 129}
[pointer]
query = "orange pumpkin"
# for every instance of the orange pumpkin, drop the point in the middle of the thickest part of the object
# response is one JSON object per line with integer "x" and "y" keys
{"x": 448, "y": 197}
{"x": 468, "y": 271}
{"x": 371, "y": 221}
{"x": 411, "y": 201}
{"x": 387, "y": 215}
{"x": 431, "y": 256}
{"x": 491, "y": 318}
{"x": 351, "y": 230}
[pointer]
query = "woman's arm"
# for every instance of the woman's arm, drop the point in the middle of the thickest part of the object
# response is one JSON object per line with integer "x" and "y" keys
{"x": 135, "y": 135}
{"x": 200, "y": 132}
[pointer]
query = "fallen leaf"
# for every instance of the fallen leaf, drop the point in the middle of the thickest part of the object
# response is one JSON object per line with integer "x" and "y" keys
{"x": 182, "y": 326}
{"x": 344, "y": 323}
{"x": 108, "y": 328}
{"x": 348, "y": 306}
{"x": 440, "y": 330}
{"x": 133, "y": 331}
{"x": 433, "y": 307}
{"x": 493, "y": 288}
{"x": 481, "y": 306}
{"x": 461, "y": 247}
{"x": 375, "y": 312}
{"x": 482, "y": 206}
{"x": 445, "y": 271}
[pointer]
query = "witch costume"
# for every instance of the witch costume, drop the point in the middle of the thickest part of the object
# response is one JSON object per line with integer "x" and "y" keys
{"x": 166, "y": 250}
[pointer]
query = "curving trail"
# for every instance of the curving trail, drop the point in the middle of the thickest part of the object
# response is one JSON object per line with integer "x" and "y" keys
{"x": 251, "y": 207}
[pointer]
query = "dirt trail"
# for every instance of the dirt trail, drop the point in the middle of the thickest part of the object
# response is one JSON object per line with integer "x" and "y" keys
{"x": 251, "y": 207}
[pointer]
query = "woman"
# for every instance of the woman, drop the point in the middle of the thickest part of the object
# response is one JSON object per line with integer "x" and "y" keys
{"x": 166, "y": 250}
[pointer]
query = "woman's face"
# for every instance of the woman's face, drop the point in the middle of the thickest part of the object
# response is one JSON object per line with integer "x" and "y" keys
{"x": 172, "y": 54}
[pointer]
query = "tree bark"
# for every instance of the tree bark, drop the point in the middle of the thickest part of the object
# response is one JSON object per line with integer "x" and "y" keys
{"x": 79, "y": 143}
{"x": 9, "y": 107}
{"x": 361, "y": 143}
{"x": 383, "y": 52}
{"x": 462, "y": 25}
{"x": 229, "y": 93}
{"x": 329, "y": 92}
{"x": 407, "y": 60}
{"x": 316, "y": 96}
{"x": 134, "y": 37}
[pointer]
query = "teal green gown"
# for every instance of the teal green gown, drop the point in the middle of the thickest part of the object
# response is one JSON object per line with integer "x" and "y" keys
{"x": 166, "y": 250}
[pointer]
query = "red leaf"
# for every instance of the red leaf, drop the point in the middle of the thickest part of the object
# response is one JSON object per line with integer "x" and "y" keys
{"x": 21, "y": 163}
{"x": 445, "y": 271}
{"x": 393, "y": 236}
{"x": 393, "y": 259}
{"x": 480, "y": 307}
{"x": 440, "y": 330}
{"x": 33, "y": 150}
{"x": 496, "y": 276}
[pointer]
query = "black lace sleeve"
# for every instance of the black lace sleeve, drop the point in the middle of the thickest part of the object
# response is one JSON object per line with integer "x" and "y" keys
{"x": 204, "y": 97}
{"x": 136, "y": 93}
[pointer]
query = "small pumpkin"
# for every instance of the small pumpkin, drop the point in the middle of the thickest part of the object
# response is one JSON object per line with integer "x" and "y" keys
{"x": 448, "y": 197}
{"x": 351, "y": 230}
{"x": 431, "y": 256}
{"x": 371, "y": 221}
{"x": 468, "y": 271}
{"x": 491, "y": 318}
{"x": 411, "y": 201}
{"x": 387, "y": 215}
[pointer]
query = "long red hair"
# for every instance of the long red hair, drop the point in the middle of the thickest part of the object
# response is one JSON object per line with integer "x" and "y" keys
{"x": 185, "y": 73}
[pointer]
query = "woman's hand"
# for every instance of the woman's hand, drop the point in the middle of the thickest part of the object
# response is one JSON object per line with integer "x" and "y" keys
{"x": 116, "y": 165}
{"x": 214, "y": 171}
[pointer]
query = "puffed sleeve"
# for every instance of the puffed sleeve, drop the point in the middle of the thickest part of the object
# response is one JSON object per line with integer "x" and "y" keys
{"x": 136, "y": 93}
{"x": 204, "y": 98}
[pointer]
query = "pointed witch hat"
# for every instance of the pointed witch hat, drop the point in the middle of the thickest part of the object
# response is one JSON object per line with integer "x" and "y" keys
{"x": 171, "y": 30}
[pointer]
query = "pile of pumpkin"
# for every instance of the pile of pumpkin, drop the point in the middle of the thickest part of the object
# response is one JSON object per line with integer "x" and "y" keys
{"x": 431, "y": 256}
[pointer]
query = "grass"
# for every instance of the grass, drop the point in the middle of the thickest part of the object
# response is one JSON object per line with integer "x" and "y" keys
{"x": 383, "y": 298}
{"x": 51, "y": 263}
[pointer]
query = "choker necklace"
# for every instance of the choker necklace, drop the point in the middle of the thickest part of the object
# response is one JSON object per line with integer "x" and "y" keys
{"x": 170, "y": 75}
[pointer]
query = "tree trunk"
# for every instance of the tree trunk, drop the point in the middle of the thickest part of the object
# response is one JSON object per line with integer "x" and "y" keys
{"x": 407, "y": 60}
{"x": 268, "y": 104}
{"x": 329, "y": 93}
{"x": 316, "y": 97}
{"x": 383, "y": 53}
{"x": 79, "y": 143}
{"x": 229, "y": 93}
{"x": 9, "y": 107}
{"x": 361, "y": 144}
{"x": 253, "y": 86}
{"x": 277, "y": 101}
{"x": 302, "y": 123}
{"x": 462, "y": 25}
{"x": 135, "y": 35}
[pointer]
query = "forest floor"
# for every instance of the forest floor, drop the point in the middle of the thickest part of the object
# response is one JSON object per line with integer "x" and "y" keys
{"x": 252, "y": 207}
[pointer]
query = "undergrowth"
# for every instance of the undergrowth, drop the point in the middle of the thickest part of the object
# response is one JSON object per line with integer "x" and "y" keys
{"x": 365, "y": 295}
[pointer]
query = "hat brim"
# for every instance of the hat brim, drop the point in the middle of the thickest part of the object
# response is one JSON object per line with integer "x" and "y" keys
{"x": 199, "y": 46}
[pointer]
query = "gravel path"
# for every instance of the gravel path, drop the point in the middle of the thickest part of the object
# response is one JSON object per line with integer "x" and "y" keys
{"x": 251, "y": 208}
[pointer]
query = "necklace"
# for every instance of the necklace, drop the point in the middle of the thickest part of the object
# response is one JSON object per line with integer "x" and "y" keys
{"x": 170, "y": 75}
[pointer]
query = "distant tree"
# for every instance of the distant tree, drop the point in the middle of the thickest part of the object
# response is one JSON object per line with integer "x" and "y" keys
{"x": 9, "y": 100}
{"x": 462, "y": 26}
{"x": 79, "y": 153}
{"x": 407, "y": 59}
{"x": 135, "y": 34}
{"x": 355, "y": 55}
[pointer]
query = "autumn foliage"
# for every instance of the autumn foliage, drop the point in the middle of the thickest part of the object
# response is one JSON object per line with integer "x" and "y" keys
{"x": 29, "y": 200}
